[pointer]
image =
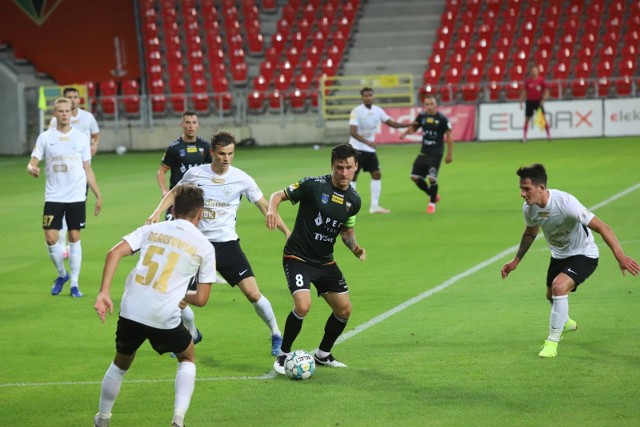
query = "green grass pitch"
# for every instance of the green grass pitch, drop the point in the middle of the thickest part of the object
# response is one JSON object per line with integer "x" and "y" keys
{"x": 464, "y": 354}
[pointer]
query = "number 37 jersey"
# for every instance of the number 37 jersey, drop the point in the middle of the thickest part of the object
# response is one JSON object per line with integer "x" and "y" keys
{"x": 171, "y": 254}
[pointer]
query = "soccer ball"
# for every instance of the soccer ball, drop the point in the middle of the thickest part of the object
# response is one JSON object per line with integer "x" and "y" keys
{"x": 121, "y": 150}
{"x": 299, "y": 365}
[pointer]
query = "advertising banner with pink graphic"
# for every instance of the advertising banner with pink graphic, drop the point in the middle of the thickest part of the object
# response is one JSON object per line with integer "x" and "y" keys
{"x": 462, "y": 118}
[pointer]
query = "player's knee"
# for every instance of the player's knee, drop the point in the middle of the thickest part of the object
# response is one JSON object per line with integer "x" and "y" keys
{"x": 376, "y": 175}
{"x": 414, "y": 179}
{"x": 302, "y": 308}
{"x": 433, "y": 180}
{"x": 344, "y": 311}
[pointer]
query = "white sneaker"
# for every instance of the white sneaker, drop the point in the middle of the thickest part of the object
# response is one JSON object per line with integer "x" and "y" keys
{"x": 328, "y": 361}
{"x": 278, "y": 365}
{"x": 98, "y": 421}
{"x": 379, "y": 210}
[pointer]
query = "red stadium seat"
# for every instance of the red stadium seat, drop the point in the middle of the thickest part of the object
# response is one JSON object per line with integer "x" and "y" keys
{"x": 255, "y": 102}
{"x": 108, "y": 91}
{"x": 260, "y": 83}
{"x": 298, "y": 100}
{"x": 624, "y": 86}
{"x": 579, "y": 88}
{"x": 514, "y": 90}
{"x": 302, "y": 82}
{"x": 267, "y": 69}
{"x": 275, "y": 101}
{"x": 158, "y": 105}
{"x": 470, "y": 92}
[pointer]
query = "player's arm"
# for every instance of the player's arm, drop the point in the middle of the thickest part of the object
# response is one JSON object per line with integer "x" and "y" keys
{"x": 396, "y": 125}
{"x": 32, "y": 167}
{"x": 356, "y": 135}
{"x": 263, "y": 206}
{"x": 103, "y": 301}
{"x": 448, "y": 139}
{"x": 165, "y": 203}
{"x": 626, "y": 263}
{"x": 528, "y": 237}
{"x": 412, "y": 127}
{"x": 271, "y": 215}
{"x": 161, "y": 177}
{"x": 93, "y": 185}
{"x": 200, "y": 296}
{"x": 348, "y": 235}
{"x": 95, "y": 141}
{"x": 545, "y": 95}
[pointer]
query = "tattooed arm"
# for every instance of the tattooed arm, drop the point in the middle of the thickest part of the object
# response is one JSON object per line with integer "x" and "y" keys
{"x": 528, "y": 238}
{"x": 348, "y": 235}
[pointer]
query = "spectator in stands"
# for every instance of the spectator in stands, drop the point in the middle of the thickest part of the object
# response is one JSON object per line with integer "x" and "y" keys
{"x": 363, "y": 124}
{"x": 534, "y": 93}
{"x": 151, "y": 312}
{"x": 568, "y": 228}
{"x": 435, "y": 128}
{"x": 67, "y": 156}
{"x": 224, "y": 187}
{"x": 85, "y": 122}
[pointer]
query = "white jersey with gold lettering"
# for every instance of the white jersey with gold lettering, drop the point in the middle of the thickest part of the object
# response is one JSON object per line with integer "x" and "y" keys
{"x": 171, "y": 254}
{"x": 64, "y": 154}
{"x": 564, "y": 221}
{"x": 222, "y": 195}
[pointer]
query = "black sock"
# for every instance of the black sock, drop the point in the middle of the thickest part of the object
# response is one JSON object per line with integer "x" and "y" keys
{"x": 422, "y": 184}
{"x": 434, "y": 192}
{"x": 292, "y": 328}
{"x": 332, "y": 330}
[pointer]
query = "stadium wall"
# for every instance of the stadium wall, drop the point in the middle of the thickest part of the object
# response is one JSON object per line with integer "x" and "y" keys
{"x": 12, "y": 139}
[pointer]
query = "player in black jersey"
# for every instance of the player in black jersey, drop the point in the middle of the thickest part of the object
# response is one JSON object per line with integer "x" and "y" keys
{"x": 328, "y": 208}
{"x": 187, "y": 151}
{"x": 436, "y": 128}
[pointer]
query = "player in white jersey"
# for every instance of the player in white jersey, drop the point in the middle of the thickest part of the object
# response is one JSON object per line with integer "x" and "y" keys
{"x": 363, "y": 124}
{"x": 224, "y": 186}
{"x": 86, "y": 123}
{"x": 67, "y": 157}
{"x": 567, "y": 227}
{"x": 172, "y": 253}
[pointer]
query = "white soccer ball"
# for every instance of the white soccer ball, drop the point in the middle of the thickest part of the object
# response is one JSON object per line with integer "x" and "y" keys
{"x": 121, "y": 150}
{"x": 299, "y": 365}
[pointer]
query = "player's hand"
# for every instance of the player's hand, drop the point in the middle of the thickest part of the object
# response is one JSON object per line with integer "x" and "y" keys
{"x": 98, "y": 208}
{"x": 403, "y": 135}
{"x": 94, "y": 149}
{"x": 630, "y": 265}
{"x": 508, "y": 268}
{"x": 448, "y": 159}
{"x": 271, "y": 219}
{"x": 153, "y": 218}
{"x": 34, "y": 171}
{"x": 360, "y": 253}
{"x": 103, "y": 303}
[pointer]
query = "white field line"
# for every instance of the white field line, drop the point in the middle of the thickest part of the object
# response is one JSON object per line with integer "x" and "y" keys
{"x": 348, "y": 335}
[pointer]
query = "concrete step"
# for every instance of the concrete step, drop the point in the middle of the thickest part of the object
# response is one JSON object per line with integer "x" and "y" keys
{"x": 392, "y": 53}
{"x": 416, "y": 22}
{"x": 401, "y": 9}
{"x": 395, "y": 38}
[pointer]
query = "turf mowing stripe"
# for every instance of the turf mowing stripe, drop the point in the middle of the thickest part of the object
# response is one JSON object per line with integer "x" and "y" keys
{"x": 345, "y": 336}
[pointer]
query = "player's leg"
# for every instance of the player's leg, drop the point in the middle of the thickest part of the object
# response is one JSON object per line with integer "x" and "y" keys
{"x": 419, "y": 171}
{"x": 129, "y": 337}
{"x": 263, "y": 309}
{"x": 433, "y": 164}
{"x": 546, "y": 125}
{"x": 184, "y": 385}
{"x": 528, "y": 114}
{"x": 372, "y": 165}
{"x": 51, "y": 223}
{"x": 336, "y": 323}
{"x": 62, "y": 238}
{"x": 76, "y": 218}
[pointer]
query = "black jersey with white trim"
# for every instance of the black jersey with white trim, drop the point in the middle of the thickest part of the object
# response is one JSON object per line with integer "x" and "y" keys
{"x": 324, "y": 210}
{"x": 180, "y": 156}
{"x": 434, "y": 127}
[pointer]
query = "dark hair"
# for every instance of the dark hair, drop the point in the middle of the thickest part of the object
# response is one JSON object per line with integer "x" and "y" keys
{"x": 189, "y": 113}
{"x": 535, "y": 172}
{"x": 69, "y": 89}
{"x": 343, "y": 152}
{"x": 366, "y": 89}
{"x": 222, "y": 139}
{"x": 188, "y": 200}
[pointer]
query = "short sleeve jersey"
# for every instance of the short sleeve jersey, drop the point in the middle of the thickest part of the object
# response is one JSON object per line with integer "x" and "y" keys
{"x": 564, "y": 222}
{"x": 64, "y": 154}
{"x": 434, "y": 127}
{"x": 171, "y": 254}
{"x": 181, "y": 156}
{"x": 222, "y": 195}
{"x": 84, "y": 121}
{"x": 324, "y": 210}
{"x": 367, "y": 120}
{"x": 534, "y": 88}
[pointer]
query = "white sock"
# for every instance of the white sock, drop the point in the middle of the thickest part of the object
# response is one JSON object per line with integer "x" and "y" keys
{"x": 376, "y": 189}
{"x": 353, "y": 184}
{"x": 185, "y": 384}
{"x": 559, "y": 316}
{"x": 189, "y": 321}
{"x": 110, "y": 389}
{"x": 62, "y": 236}
{"x": 75, "y": 261}
{"x": 264, "y": 310}
{"x": 55, "y": 253}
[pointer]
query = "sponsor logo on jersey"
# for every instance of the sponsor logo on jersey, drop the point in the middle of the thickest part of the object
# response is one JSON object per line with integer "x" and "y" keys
{"x": 323, "y": 238}
{"x": 543, "y": 214}
{"x": 430, "y": 120}
{"x": 348, "y": 204}
{"x": 294, "y": 186}
{"x": 218, "y": 180}
{"x": 226, "y": 190}
{"x": 183, "y": 152}
{"x": 318, "y": 220}
{"x": 337, "y": 199}
{"x": 192, "y": 149}
{"x": 325, "y": 199}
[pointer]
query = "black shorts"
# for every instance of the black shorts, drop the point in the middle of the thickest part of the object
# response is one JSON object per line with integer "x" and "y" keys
{"x": 231, "y": 262}
{"x": 578, "y": 267}
{"x": 168, "y": 216}
{"x": 326, "y": 278}
{"x": 75, "y": 215}
{"x": 530, "y": 107}
{"x": 368, "y": 161}
{"x": 426, "y": 165}
{"x": 130, "y": 335}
